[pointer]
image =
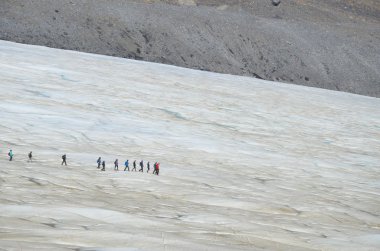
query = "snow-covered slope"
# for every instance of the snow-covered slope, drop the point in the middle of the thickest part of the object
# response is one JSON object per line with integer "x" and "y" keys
{"x": 245, "y": 164}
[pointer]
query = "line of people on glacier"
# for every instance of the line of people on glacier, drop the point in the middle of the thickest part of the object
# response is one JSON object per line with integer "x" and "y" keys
{"x": 30, "y": 157}
{"x": 156, "y": 166}
{"x": 10, "y": 155}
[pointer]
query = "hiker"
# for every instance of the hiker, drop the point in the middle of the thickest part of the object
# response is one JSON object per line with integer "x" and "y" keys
{"x": 30, "y": 156}
{"x": 103, "y": 165}
{"x": 148, "y": 167}
{"x": 99, "y": 161}
{"x": 141, "y": 166}
{"x": 158, "y": 168}
{"x": 126, "y": 165}
{"x": 155, "y": 168}
{"x": 134, "y": 166}
{"x": 64, "y": 160}
{"x": 116, "y": 168}
{"x": 10, "y": 154}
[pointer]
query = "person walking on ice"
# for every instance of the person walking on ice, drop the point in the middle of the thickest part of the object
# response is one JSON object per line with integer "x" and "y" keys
{"x": 116, "y": 168}
{"x": 126, "y": 165}
{"x": 141, "y": 166}
{"x": 30, "y": 156}
{"x": 134, "y": 166}
{"x": 64, "y": 160}
{"x": 99, "y": 161}
{"x": 10, "y": 154}
{"x": 103, "y": 166}
{"x": 148, "y": 167}
{"x": 156, "y": 168}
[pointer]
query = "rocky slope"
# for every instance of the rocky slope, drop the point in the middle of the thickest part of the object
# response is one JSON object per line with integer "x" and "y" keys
{"x": 327, "y": 44}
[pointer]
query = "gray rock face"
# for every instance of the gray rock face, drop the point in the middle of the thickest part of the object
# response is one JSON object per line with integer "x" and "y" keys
{"x": 276, "y": 2}
{"x": 326, "y": 44}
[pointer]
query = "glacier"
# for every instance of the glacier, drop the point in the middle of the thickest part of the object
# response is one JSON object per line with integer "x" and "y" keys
{"x": 246, "y": 164}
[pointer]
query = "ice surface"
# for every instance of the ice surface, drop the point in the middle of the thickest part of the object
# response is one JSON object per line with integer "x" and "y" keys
{"x": 245, "y": 164}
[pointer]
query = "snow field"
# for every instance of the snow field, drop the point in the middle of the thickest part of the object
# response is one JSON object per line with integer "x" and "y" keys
{"x": 245, "y": 164}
